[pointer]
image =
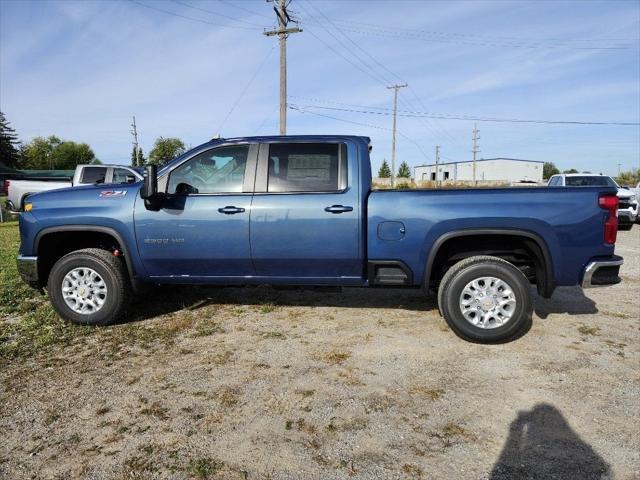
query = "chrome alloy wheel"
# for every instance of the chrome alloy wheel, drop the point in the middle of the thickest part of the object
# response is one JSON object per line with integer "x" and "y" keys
{"x": 84, "y": 291}
{"x": 487, "y": 302}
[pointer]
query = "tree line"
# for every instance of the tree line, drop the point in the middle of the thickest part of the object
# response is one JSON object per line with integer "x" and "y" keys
{"x": 54, "y": 153}
{"x": 385, "y": 171}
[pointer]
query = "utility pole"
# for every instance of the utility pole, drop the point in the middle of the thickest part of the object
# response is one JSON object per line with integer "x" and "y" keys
{"x": 393, "y": 141}
{"x": 437, "y": 162}
{"x": 134, "y": 132}
{"x": 619, "y": 165}
{"x": 283, "y": 33}
{"x": 475, "y": 150}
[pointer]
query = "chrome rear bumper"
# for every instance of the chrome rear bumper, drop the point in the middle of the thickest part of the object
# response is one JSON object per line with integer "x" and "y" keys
{"x": 600, "y": 273}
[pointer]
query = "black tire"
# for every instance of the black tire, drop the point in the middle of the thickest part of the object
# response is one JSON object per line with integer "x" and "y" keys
{"x": 625, "y": 226}
{"x": 114, "y": 274}
{"x": 463, "y": 272}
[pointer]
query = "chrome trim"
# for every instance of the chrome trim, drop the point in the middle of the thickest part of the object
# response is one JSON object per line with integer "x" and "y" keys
{"x": 10, "y": 206}
{"x": 28, "y": 268}
{"x": 592, "y": 267}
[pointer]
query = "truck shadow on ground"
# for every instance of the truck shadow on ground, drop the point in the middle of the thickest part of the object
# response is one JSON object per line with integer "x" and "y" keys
{"x": 541, "y": 444}
{"x": 167, "y": 299}
{"x": 570, "y": 300}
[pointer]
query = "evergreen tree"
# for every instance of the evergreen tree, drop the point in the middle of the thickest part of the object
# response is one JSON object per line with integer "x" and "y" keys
{"x": 9, "y": 154}
{"x": 385, "y": 171}
{"x": 404, "y": 171}
{"x": 141, "y": 160}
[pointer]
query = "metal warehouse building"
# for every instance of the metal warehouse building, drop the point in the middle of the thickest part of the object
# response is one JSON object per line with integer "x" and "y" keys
{"x": 508, "y": 170}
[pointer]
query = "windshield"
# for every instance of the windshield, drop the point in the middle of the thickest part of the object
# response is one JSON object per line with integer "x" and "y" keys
{"x": 591, "y": 181}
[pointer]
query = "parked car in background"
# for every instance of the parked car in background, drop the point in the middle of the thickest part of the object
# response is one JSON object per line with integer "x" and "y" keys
{"x": 18, "y": 190}
{"x": 628, "y": 198}
{"x": 300, "y": 210}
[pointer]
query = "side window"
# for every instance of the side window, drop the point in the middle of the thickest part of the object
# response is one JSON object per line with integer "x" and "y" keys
{"x": 122, "y": 175}
{"x": 307, "y": 167}
{"x": 93, "y": 175}
{"x": 555, "y": 181}
{"x": 220, "y": 170}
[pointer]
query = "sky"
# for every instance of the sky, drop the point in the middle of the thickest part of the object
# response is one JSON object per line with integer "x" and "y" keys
{"x": 195, "y": 69}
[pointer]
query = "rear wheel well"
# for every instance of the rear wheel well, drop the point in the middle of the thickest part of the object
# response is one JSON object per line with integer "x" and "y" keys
{"x": 51, "y": 247}
{"x": 522, "y": 251}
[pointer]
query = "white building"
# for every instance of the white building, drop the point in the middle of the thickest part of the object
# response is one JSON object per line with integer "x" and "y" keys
{"x": 508, "y": 170}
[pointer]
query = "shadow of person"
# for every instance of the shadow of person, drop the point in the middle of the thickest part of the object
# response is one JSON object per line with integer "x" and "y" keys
{"x": 542, "y": 445}
{"x": 571, "y": 300}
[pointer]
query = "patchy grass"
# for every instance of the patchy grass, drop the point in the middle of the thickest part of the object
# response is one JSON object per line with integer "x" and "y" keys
{"x": 333, "y": 357}
{"x": 204, "y": 467}
{"x": 28, "y": 323}
{"x": 586, "y": 330}
{"x": 422, "y": 391}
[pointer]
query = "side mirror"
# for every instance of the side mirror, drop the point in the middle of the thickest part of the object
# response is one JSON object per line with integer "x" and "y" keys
{"x": 150, "y": 187}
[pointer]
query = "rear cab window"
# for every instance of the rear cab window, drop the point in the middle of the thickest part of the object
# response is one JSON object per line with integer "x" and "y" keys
{"x": 92, "y": 175}
{"x": 306, "y": 167}
{"x": 589, "y": 181}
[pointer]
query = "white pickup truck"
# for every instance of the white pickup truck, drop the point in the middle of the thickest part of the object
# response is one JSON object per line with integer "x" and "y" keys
{"x": 18, "y": 190}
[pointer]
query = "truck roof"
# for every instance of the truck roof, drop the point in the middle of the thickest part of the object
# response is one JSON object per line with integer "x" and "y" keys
{"x": 271, "y": 138}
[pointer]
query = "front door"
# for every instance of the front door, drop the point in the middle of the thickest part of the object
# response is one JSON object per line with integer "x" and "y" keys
{"x": 305, "y": 220}
{"x": 202, "y": 227}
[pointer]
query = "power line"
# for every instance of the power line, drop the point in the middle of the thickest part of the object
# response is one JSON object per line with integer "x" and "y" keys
{"x": 479, "y": 40}
{"x": 368, "y": 125}
{"x": 236, "y": 19}
{"x": 226, "y": 2}
{"x": 200, "y": 20}
{"x": 244, "y": 90}
{"x": 371, "y": 72}
{"x": 441, "y": 116}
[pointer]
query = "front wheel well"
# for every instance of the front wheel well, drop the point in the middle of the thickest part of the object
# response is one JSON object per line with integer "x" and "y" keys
{"x": 51, "y": 247}
{"x": 524, "y": 252}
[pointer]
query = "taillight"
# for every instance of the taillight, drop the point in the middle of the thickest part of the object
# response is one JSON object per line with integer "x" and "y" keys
{"x": 610, "y": 203}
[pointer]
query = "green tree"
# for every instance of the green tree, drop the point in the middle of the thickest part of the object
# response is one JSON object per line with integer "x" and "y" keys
{"x": 549, "y": 169}
{"x": 9, "y": 144}
{"x": 141, "y": 160}
{"x": 571, "y": 170}
{"x": 385, "y": 171}
{"x": 165, "y": 150}
{"x": 52, "y": 153}
{"x": 404, "y": 171}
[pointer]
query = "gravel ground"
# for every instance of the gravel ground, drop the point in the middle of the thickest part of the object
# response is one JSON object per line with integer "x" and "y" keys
{"x": 366, "y": 384}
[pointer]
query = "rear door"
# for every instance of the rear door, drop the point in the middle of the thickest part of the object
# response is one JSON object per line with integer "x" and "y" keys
{"x": 202, "y": 227}
{"x": 305, "y": 220}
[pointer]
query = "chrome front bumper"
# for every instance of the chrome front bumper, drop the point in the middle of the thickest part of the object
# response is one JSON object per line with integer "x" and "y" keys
{"x": 600, "y": 273}
{"x": 28, "y": 269}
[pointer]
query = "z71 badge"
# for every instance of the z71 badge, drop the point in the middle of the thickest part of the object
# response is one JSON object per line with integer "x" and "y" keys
{"x": 112, "y": 193}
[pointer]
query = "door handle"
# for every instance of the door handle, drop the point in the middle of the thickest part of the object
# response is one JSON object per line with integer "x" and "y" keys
{"x": 230, "y": 210}
{"x": 338, "y": 209}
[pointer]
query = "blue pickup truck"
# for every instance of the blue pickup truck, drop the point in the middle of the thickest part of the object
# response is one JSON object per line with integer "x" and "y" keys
{"x": 300, "y": 210}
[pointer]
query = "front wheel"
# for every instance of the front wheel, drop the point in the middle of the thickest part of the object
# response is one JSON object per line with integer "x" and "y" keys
{"x": 485, "y": 299}
{"x": 89, "y": 287}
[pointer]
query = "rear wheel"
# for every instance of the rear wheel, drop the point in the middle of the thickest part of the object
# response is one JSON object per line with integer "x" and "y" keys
{"x": 485, "y": 299}
{"x": 89, "y": 287}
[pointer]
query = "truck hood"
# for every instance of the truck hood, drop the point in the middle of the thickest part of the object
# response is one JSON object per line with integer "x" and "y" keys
{"x": 625, "y": 193}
